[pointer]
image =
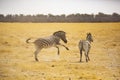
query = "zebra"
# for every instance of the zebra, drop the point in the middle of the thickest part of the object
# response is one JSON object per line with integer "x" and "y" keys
{"x": 50, "y": 41}
{"x": 85, "y": 45}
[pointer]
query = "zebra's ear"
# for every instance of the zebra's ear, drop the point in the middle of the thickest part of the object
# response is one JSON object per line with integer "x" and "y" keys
{"x": 89, "y": 33}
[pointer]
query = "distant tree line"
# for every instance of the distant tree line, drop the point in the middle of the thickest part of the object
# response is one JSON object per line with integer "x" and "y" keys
{"x": 100, "y": 17}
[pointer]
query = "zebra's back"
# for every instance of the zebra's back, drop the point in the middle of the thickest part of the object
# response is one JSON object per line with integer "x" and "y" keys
{"x": 46, "y": 42}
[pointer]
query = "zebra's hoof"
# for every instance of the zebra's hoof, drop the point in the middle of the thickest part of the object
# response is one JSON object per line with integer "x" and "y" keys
{"x": 36, "y": 60}
{"x": 80, "y": 61}
{"x": 67, "y": 48}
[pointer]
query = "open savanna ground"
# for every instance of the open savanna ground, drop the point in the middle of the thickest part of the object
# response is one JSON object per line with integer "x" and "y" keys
{"x": 17, "y": 57}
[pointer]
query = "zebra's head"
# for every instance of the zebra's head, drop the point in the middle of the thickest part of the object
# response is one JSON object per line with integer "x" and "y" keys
{"x": 61, "y": 35}
{"x": 89, "y": 37}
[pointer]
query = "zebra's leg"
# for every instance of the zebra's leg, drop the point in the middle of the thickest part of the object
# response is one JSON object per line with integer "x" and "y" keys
{"x": 58, "y": 49}
{"x": 64, "y": 46}
{"x": 86, "y": 56}
{"x": 36, "y": 53}
{"x": 80, "y": 55}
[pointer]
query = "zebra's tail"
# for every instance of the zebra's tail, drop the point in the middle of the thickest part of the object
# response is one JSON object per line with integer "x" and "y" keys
{"x": 80, "y": 45}
{"x": 27, "y": 41}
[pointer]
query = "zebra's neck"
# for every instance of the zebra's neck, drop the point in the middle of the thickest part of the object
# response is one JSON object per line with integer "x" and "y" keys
{"x": 88, "y": 42}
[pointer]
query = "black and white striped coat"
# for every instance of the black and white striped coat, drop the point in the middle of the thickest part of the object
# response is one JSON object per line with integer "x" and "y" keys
{"x": 47, "y": 42}
{"x": 85, "y": 45}
{"x": 50, "y": 41}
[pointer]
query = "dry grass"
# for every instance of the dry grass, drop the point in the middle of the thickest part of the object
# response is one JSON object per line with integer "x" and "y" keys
{"x": 17, "y": 58}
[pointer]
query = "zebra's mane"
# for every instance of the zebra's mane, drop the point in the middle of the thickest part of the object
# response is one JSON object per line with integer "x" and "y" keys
{"x": 58, "y": 32}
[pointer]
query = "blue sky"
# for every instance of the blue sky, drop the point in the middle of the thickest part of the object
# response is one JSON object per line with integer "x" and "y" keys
{"x": 57, "y": 7}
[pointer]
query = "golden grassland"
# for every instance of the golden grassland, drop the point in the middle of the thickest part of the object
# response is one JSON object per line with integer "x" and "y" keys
{"x": 17, "y": 58}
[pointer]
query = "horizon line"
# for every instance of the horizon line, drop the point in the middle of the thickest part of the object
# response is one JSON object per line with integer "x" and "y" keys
{"x": 56, "y": 14}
